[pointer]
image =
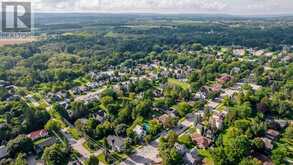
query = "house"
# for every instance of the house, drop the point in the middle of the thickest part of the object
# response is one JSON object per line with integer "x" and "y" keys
{"x": 164, "y": 119}
{"x": 2, "y": 125}
{"x": 76, "y": 162}
{"x": 263, "y": 158}
{"x": 139, "y": 131}
{"x": 38, "y": 134}
{"x": 3, "y": 152}
{"x": 100, "y": 116}
{"x": 13, "y": 97}
{"x": 117, "y": 143}
{"x": 200, "y": 141}
{"x": 209, "y": 133}
{"x": 200, "y": 95}
{"x": 181, "y": 148}
{"x": 55, "y": 97}
{"x": 287, "y": 59}
{"x": 272, "y": 134}
{"x": 268, "y": 143}
{"x": 40, "y": 162}
{"x": 212, "y": 105}
{"x": 259, "y": 53}
{"x": 239, "y": 52}
{"x": 4, "y": 83}
{"x": 64, "y": 104}
{"x": 192, "y": 158}
{"x": 224, "y": 79}
{"x": 158, "y": 93}
{"x": 198, "y": 116}
{"x": 92, "y": 85}
{"x": 45, "y": 143}
{"x": 204, "y": 92}
{"x": 217, "y": 120}
{"x": 282, "y": 123}
{"x": 235, "y": 70}
{"x": 268, "y": 54}
{"x": 216, "y": 88}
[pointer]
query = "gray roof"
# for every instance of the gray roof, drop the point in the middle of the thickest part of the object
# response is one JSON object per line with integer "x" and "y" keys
{"x": 192, "y": 157}
{"x": 3, "y": 152}
{"x": 115, "y": 141}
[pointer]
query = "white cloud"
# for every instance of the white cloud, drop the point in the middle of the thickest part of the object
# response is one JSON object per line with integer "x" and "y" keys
{"x": 193, "y": 6}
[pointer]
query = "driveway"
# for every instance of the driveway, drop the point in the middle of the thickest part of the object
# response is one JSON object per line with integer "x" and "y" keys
{"x": 81, "y": 149}
{"x": 148, "y": 154}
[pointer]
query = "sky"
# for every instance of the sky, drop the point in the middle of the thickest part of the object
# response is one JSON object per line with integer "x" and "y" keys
{"x": 237, "y": 7}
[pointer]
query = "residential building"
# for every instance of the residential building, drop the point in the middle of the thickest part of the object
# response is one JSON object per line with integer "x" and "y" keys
{"x": 198, "y": 116}
{"x": 3, "y": 152}
{"x": 46, "y": 143}
{"x": 224, "y": 79}
{"x": 217, "y": 120}
{"x": 272, "y": 134}
{"x": 38, "y": 134}
{"x": 192, "y": 158}
{"x": 200, "y": 141}
{"x": 239, "y": 52}
{"x": 181, "y": 148}
{"x": 282, "y": 123}
{"x": 268, "y": 143}
{"x": 117, "y": 143}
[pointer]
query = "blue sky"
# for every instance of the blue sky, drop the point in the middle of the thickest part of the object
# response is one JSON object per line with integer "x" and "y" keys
{"x": 245, "y": 7}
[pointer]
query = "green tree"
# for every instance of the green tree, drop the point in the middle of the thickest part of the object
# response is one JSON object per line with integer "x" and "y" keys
{"x": 21, "y": 144}
{"x": 55, "y": 155}
{"x": 237, "y": 148}
{"x": 183, "y": 108}
{"x": 186, "y": 140}
{"x": 279, "y": 154}
{"x": 258, "y": 144}
{"x": 53, "y": 125}
{"x": 167, "y": 150}
{"x": 92, "y": 160}
{"x": 250, "y": 161}
{"x": 218, "y": 155}
{"x": 20, "y": 160}
{"x": 120, "y": 130}
{"x": 154, "y": 127}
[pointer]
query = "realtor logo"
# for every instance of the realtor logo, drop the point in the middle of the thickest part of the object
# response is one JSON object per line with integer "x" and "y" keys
{"x": 16, "y": 17}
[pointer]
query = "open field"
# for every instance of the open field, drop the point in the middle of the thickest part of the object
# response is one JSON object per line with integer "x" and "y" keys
{"x": 4, "y": 42}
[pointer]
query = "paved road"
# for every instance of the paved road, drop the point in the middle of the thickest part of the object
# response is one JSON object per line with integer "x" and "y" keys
{"x": 80, "y": 148}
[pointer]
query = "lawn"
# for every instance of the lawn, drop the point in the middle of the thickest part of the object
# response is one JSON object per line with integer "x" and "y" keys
{"x": 41, "y": 141}
{"x": 207, "y": 155}
{"x": 102, "y": 158}
{"x": 74, "y": 133}
{"x": 2, "y": 120}
{"x": 181, "y": 84}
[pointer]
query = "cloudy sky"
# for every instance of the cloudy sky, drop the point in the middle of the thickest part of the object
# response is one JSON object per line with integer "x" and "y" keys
{"x": 246, "y": 7}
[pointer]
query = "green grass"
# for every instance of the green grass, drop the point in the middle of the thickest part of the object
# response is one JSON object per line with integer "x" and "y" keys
{"x": 207, "y": 155}
{"x": 181, "y": 84}
{"x": 41, "y": 140}
{"x": 74, "y": 133}
{"x": 102, "y": 158}
{"x": 2, "y": 120}
{"x": 81, "y": 81}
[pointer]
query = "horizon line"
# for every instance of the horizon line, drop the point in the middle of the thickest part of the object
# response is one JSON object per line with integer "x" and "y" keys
{"x": 166, "y": 13}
